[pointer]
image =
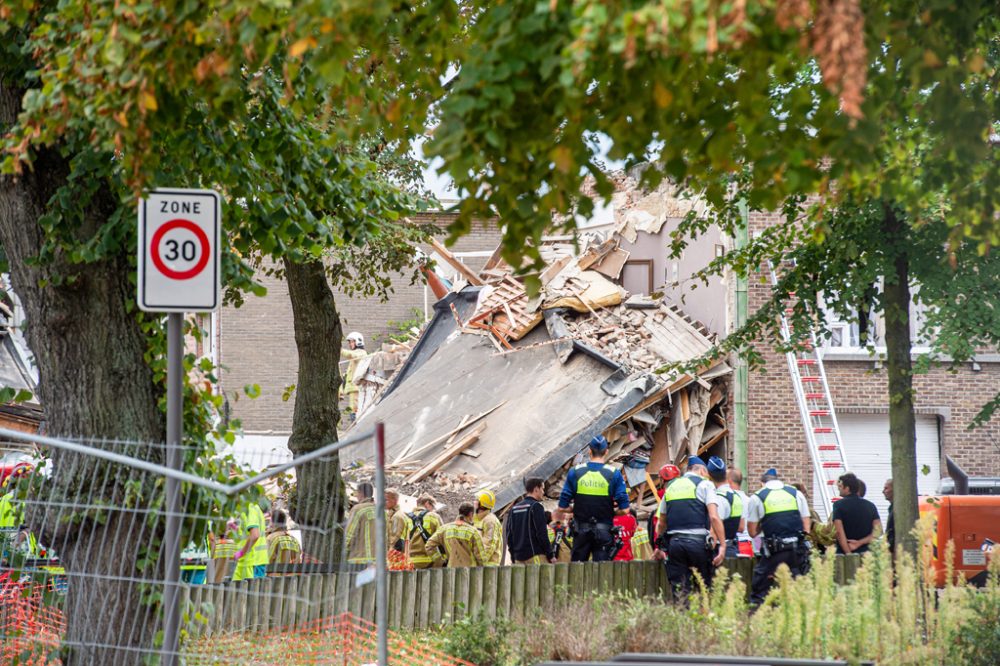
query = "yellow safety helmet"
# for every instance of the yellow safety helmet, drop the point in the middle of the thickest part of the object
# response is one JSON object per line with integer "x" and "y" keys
{"x": 486, "y": 499}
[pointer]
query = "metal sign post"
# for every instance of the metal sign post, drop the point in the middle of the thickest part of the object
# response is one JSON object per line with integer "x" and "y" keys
{"x": 178, "y": 262}
{"x": 381, "y": 563}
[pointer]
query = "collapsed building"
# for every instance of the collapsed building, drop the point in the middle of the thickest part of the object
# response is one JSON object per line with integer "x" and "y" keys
{"x": 501, "y": 385}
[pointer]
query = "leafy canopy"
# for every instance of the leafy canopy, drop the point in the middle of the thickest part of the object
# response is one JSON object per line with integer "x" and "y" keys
{"x": 519, "y": 92}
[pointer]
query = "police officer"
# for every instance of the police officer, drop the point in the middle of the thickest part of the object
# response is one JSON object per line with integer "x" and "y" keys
{"x": 689, "y": 516}
{"x": 594, "y": 489}
{"x": 730, "y": 505}
{"x": 781, "y": 514}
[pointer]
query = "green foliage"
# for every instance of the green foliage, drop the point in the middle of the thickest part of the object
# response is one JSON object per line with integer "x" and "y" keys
{"x": 521, "y": 93}
{"x": 978, "y": 643}
{"x": 401, "y": 330}
{"x": 13, "y": 395}
{"x": 887, "y": 615}
{"x": 478, "y": 639}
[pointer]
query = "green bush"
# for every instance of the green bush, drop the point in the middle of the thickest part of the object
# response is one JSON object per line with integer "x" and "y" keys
{"x": 887, "y": 614}
{"x": 478, "y": 639}
{"x": 978, "y": 642}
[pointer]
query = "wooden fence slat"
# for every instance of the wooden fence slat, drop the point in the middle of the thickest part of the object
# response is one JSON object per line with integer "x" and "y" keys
{"x": 605, "y": 574}
{"x": 503, "y": 592}
{"x": 218, "y": 601}
{"x": 343, "y": 595}
{"x": 530, "y": 605}
{"x": 421, "y": 621}
{"x": 448, "y": 596}
{"x": 395, "y": 596}
{"x": 839, "y": 574}
{"x": 461, "y": 602}
{"x": 489, "y": 592}
{"x": 621, "y": 577}
{"x": 652, "y": 573}
{"x": 251, "y": 610}
{"x": 290, "y": 606}
{"x": 546, "y": 588}
{"x": 354, "y": 596}
{"x": 305, "y": 600}
{"x": 435, "y": 604}
{"x": 577, "y": 579}
{"x": 319, "y": 596}
{"x": 517, "y": 590}
{"x": 368, "y": 601}
{"x": 475, "y": 607}
{"x": 329, "y": 608}
{"x": 240, "y": 612}
{"x": 409, "y": 599}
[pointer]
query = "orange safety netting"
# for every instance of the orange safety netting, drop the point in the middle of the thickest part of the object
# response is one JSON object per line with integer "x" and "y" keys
{"x": 30, "y": 629}
{"x": 341, "y": 640}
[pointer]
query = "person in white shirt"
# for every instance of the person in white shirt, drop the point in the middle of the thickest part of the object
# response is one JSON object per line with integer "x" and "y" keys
{"x": 689, "y": 515}
{"x": 781, "y": 514}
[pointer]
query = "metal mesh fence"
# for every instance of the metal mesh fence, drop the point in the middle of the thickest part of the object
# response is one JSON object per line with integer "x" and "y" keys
{"x": 266, "y": 575}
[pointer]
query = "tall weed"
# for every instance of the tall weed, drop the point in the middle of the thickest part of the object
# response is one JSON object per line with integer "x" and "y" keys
{"x": 889, "y": 614}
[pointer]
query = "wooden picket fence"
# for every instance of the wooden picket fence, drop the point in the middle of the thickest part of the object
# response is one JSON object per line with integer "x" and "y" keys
{"x": 427, "y": 598}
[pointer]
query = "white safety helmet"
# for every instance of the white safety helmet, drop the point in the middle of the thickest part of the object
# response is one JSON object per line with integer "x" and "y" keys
{"x": 359, "y": 340}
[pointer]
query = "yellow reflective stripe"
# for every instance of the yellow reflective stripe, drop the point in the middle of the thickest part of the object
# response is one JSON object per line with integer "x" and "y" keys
{"x": 737, "y": 510}
{"x": 681, "y": 489}
{"x": 779, "y": 501}
{"x": 593, "y": 483}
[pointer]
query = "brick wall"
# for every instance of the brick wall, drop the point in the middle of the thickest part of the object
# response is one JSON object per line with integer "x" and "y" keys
{"x": 776, "y": 433}
{"x": 257, "y": 343}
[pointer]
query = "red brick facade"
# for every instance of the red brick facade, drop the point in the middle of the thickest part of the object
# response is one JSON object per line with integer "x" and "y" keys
{"x": 775, "y": 429}
{"x": 257, "y": 343}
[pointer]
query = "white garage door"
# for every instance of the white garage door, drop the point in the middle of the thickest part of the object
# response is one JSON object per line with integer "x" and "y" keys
{"x": 869, "y": 453}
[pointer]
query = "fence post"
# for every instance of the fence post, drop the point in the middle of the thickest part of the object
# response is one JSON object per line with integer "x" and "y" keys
{"x": 381, "y": 565}
{"x": 175, "y": 461}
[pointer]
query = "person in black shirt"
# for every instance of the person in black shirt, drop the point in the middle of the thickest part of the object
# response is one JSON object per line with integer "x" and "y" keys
{"x": 527, "y": 528}
{"x": 855, "y": 518}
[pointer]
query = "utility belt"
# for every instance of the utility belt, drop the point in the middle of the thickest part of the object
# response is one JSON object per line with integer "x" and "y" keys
{"x": 591, "y": 526}
{"x": 774, "y": 545}
{"x": 707, "y": 540}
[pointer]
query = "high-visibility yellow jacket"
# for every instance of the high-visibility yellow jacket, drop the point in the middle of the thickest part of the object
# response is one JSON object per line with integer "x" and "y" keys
{"x": 283, "y": 548}
{"x": 431, "y": 523}
{"x": 10, "y": 514}
{"x": 641, "y": 548}
{"x": 361, "y": 533}
{"x": 491, "y": 529}
{"x": 462, "y": 544}
{"x": 252, "y": 518}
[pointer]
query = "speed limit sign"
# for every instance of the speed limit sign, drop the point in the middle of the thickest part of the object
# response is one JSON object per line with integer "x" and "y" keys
{"x": 179, "y": 251}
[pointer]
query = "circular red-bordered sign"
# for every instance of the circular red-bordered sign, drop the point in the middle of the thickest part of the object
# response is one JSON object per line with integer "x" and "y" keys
{"x": 154, "y": 249}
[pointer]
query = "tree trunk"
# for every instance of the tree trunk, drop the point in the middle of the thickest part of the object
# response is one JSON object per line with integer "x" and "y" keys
{"x": 319, "y": 502}
{"x": 902, "y": 421}
{"x": 94, "y": 383}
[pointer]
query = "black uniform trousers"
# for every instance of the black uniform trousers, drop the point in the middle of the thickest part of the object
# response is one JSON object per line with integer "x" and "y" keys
{"x": 684, "y": 554}
{"x": 797, "y": 560}
{"x": 592, "y": 541}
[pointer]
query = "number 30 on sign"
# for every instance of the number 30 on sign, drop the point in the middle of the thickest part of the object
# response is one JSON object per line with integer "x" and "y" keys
{"x": 179, "y": 251}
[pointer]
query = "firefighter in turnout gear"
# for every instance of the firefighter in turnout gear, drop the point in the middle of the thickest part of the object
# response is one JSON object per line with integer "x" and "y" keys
{"x": 689, "y": 516}
{"x": 489, "y": 527}
{"x": 594, "y": 489}
{"x": 426, "y": 522}
{"x": 781, "y": 514}
{"x": 730, "y": 505}
{"x": 459, "y": 540}
{"x": 560, "y": 540}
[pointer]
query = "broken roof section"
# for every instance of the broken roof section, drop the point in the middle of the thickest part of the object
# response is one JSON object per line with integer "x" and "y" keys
{"x": 503, "y": 386}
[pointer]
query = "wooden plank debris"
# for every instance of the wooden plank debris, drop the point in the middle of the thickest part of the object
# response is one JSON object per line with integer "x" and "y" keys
{"x": 613, "y": 263}
{"x": 445, "y": 456}
{"x": 456, "y": 263}
{"x": 407, "y": 452}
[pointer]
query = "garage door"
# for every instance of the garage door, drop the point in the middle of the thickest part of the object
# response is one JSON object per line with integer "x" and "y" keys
{"x": 869, "y": 454}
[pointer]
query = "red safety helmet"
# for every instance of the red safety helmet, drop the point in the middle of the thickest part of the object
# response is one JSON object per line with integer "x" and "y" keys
{"x": 669, "y": 472}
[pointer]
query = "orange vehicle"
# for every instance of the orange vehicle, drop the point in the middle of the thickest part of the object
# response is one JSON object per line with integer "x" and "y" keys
{"x": 967, "y": 520}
